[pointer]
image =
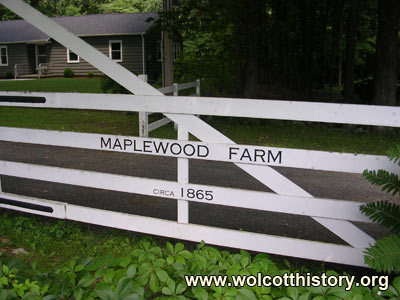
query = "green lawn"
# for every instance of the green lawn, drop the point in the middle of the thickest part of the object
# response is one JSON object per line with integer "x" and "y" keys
{"x": 64, "y": 85}
{"x": 317, "y": 136}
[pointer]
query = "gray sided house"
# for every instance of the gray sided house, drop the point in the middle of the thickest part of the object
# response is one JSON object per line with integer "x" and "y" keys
{"x": 124, "y": 38}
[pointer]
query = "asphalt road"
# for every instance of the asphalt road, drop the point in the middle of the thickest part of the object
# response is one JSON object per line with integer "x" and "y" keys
{"x": 322, "y": 184}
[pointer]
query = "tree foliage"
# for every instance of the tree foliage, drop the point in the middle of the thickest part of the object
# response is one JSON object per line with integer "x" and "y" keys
{"x": 131, "y": 6}
{"x": 385, "y": 254}
{"x": 384, "y": 213}
{"x": 266, "y": 48}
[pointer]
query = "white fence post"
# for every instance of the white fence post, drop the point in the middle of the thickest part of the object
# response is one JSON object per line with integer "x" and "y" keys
{"x": 176, "y": 90}
{"x": 143, "y": 116}
{"x": 176, "y": 93}
{"x": 198, "y": 88}
{"x": 143, "y": 124}
{"x": 183, "y": 177}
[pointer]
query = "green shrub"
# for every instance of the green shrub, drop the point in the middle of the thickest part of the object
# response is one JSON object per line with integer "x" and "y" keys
{"x": 90, "y": 74}
{"x": 110, "y": 86}
{"x": 153, "y": 272}
{"x": 8, "y": 75}
{"x": 385, "y": 254}
{"x": 69, "y": 73}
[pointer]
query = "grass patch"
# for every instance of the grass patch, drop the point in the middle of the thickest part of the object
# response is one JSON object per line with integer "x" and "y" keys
{"x": 310, "y": 136}
{"x": 70, "y": 120}
{"x": 52, "y": 243}
{"x": 62, "y": 85}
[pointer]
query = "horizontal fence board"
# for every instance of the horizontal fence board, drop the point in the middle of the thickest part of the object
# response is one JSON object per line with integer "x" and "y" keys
{"x": 249, "y": 108}
{"x": 219, "y": 236}
{"x": 167, "y": 89}
{"x": 188, "y": 85}
{"x": 245, "y": 154}
{"x": 197, "y": 233}
{"x": 316, "y": 207}
{"x": 158, "y": 123}
{"x": 57, "y": 207}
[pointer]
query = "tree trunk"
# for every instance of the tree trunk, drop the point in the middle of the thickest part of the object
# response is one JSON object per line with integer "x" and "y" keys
{"x": 307, "y": 23}
{"x": 337, "y": 43}
{"x": 349, "y": 72}
{"x": 385, "y": 82}
{"x": 252, "y": 61}
{"x": 168, "y": 78}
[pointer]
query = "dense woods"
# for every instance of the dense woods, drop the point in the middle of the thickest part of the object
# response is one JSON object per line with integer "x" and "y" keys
{"x": 302, "y": 49}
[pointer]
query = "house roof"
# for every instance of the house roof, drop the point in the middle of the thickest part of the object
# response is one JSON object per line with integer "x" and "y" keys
{"x": 87, "y": 25}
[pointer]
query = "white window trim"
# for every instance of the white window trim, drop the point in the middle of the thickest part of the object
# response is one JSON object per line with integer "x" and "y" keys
{"x": 5, "y": 47}
{"x": 72, "y": 61}
{"x": 109, "y": 49}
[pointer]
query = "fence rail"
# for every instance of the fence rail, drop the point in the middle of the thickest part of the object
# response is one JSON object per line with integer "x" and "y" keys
{"x": 145, "y": 127}
{"x": 20, "y": 70}
{"x": 334, "y": 215}
{"x": 330, "y": 213}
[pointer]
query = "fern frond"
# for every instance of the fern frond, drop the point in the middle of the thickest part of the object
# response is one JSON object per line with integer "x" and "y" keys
{"x": 389, "y": 181}
{"x": 384, "y": 256}
{"x": 384, "y": 213}
{"x": 394, "y": 154}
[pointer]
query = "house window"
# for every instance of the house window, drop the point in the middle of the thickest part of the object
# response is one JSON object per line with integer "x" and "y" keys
{"x": 41, "y": 54}
{"x": 72, "y": 57}
{"x": 159, "y": 53}
{"x": 177, "y": 50}
{"x": 3, "y": 56}
{"x": 115, "y": 50}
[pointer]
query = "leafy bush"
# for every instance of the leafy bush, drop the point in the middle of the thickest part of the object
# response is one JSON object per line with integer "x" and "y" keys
{"x": 152, "y": 272}
{"x": 110, "y": 86}
{"x": 8, "y": 75}
{"x": 90, "y": 74}
{"x": 69, "y": 73}
{"x": 385, "y": 254}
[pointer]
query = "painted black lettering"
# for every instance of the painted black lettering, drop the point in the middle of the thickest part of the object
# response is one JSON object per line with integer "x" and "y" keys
{"x": 231, "y": 149}
{"x": 104, "y": 144}
{"x": 127, "y": 143}
{"x": 146, "y": 146}
{"x": 117, "y": 143}
{"x": 261, "y": 155}
{"x": 246, "y": 154}
{"x": 193, "y": 150}
{"x": 205, "y": 152}
{"x": 161, "y": 146}
{"x": 275, "y": 158}
{"x": 134, "y": 147}
{"x": 177, "y": 146}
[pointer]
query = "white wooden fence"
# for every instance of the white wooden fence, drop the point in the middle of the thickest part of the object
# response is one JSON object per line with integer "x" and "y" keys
{"x": 288, "y": 197}
{"x": 145, "y": 127}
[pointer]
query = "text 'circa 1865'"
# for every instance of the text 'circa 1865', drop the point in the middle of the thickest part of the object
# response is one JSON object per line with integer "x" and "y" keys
{"x": 233, "y": 153}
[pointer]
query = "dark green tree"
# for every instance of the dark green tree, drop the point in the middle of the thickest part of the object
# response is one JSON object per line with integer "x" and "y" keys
{"x": 387, "y": 55}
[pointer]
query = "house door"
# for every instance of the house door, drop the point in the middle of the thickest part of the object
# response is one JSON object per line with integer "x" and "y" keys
{"x": 41, "y": 54}
{"x": 31, "y": 58}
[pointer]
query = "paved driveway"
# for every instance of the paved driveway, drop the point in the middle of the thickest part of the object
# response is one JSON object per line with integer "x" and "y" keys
{"x": 322, "y": 184}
